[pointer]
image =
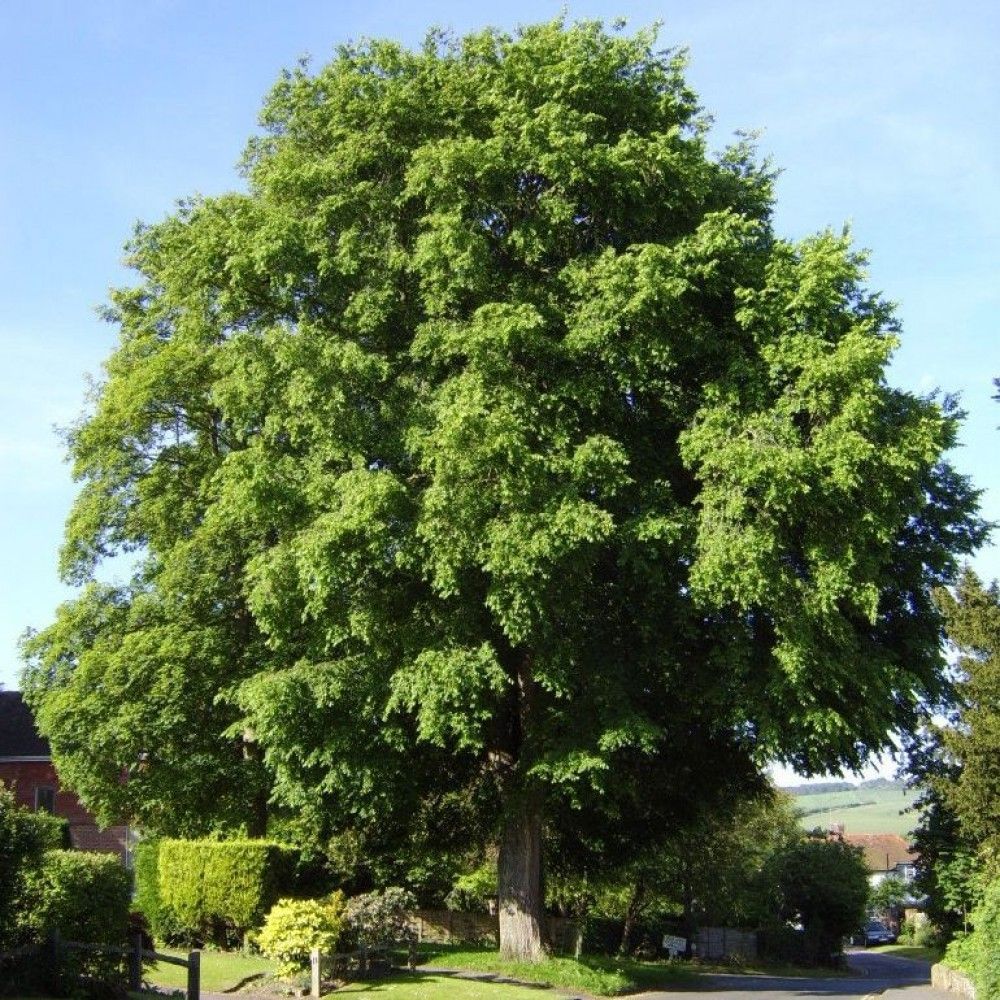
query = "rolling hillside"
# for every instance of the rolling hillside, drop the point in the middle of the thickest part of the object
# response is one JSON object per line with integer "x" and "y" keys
{"x": 870, "y": 807}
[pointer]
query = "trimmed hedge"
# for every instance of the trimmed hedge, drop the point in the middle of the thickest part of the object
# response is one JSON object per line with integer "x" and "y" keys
{"x": 216, "y": 890}
{"x": 148, "y": 901}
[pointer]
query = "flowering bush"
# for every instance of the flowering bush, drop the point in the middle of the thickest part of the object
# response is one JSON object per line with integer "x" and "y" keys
{"x": 294, "y": 927}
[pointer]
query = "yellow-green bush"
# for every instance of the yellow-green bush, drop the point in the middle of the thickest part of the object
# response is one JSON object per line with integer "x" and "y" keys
{"x": 295, "y": 926}
{"x": 213, "y": 890}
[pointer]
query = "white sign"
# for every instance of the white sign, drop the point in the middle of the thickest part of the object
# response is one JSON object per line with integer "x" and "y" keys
{"x": 673, "y": 945}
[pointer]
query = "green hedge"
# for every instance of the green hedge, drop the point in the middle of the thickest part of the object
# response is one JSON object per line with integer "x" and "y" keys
{"x": 147, "y": 900}
{"x": 51, "y": 831}
{"x": 978, "y": 954}
{"x": 215, "y": 890}
{"x": 986, "y": 947}
{"x": 85, "y": 897}
{"x": 22, "y": 843}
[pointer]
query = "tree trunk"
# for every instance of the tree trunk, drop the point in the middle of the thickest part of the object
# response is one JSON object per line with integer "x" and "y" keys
{"x": 632, "y": 911}
{"x": 689, "y": 926}
{"x": 522, "y": 914}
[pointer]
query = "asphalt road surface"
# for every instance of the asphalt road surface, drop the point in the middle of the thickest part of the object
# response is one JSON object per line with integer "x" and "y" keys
{"x": 871, "y": 975}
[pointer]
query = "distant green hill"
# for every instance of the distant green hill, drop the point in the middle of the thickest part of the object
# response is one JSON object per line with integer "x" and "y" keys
{"x": 876, "y": 806}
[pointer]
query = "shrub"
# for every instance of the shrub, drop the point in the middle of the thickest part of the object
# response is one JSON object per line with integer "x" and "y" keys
{"x": 961, "y": 953}
{"x": 51, "y": 832}
{"x": 295, "y": 926}
{"x": 21, "y": 848}
{"x": 924, "y": 935}
{"x": 148, "y": 901}
{"x": 986, "y": 938}
{"x": 471, "y": 891}
{"x": 822, "y": 885}
{"x": 85, "y": 897}
{"x": 215, "y": 890}
{"x": 381, "y": 917}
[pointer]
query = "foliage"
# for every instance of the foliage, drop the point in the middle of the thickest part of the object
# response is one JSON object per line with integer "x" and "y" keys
{"x": 492, "y": 433}
{"x": 986, "y": 937}
{"x": 148, "y": 898}
{"x": 293, "y": 927}
{"x": 978, "y": 954}
{"x": 706, "y": 872}
{"x": 381, "y": 917}
{"x": 889, "y": 894}
{"x": 954, "y": 762}
{"x": 21, "y": 847}
{"x": 51, "y": 832}
{"x": 85, "y": 897}
{"x": 960, "y": 953}
{"x": 215, "y": 889}
{"x": 471, "y": 890}
{"x": 822, "y": 885}
{"x": 126, "y": 683}
{"x": 973, "y": 622}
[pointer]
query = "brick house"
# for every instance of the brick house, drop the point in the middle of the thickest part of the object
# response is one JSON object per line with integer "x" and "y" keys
{"x": 26, "y": 767}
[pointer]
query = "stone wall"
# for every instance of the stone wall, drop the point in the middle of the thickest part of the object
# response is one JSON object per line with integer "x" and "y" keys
{"x": 945, "y": 978}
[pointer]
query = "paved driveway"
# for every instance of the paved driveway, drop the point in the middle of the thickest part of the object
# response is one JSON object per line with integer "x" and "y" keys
{"x": 886, "y": 976}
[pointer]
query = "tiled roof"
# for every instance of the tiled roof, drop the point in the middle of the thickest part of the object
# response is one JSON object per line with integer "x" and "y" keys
{"x": 18, "y": 736}
{"x": 883, "y": 851}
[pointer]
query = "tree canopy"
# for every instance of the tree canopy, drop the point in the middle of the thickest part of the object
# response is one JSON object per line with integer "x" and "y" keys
{"x": 493, "y": 425}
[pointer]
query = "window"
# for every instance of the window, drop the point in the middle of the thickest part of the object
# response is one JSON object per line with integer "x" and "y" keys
{"x": 45, "y": 799}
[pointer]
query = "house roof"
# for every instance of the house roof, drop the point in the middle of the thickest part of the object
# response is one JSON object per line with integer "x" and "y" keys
{"x": 18, "y": 736}
{"x": 883, "y": 851}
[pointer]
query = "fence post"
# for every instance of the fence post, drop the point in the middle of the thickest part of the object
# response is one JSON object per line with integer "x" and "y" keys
{"x": 194, "y": 975}
{"x": 314, "y": 958}
{"x": 135, "y": 963}
{"x": 53, "y": 964}
{"x": 411, "y": 956}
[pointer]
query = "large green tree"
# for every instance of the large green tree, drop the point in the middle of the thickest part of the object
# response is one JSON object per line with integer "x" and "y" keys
{"x": 495, "y": 422}
{"x": 972, "y": 611}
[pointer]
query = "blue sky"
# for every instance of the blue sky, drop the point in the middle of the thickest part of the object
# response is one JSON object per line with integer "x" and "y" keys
{"x": 882, "y": 115}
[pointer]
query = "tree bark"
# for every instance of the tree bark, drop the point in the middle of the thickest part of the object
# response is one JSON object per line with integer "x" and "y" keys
{"x": 632, "y": 911}
{"x": 522, "y": 913}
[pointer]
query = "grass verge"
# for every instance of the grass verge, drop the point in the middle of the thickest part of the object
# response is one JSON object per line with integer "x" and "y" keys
{"x": 593, "y": 974}
{"x": 909, "y": 951}
{"x": 220, "y": 970}
{"x": 434, "y": 986}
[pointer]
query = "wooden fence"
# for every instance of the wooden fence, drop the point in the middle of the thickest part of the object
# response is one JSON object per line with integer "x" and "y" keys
{"x": 362, "y": 963}
{"x": 135, "y": 954}
{"x": 456, "y": 927}
{"x": 716, "y": 943}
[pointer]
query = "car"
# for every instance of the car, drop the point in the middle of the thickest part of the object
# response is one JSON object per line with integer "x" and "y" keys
{"x": 877, "y": 933}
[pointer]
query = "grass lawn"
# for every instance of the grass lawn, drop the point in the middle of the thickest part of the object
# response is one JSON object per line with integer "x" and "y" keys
{"x": 425, "y": 986}
{"x": 909, "y": 951}
{"x": 220, "y": 970}
{"x": 594, "y": 974}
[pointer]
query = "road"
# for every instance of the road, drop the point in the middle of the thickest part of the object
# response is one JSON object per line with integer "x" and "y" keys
{"x": 886, "y": 976}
